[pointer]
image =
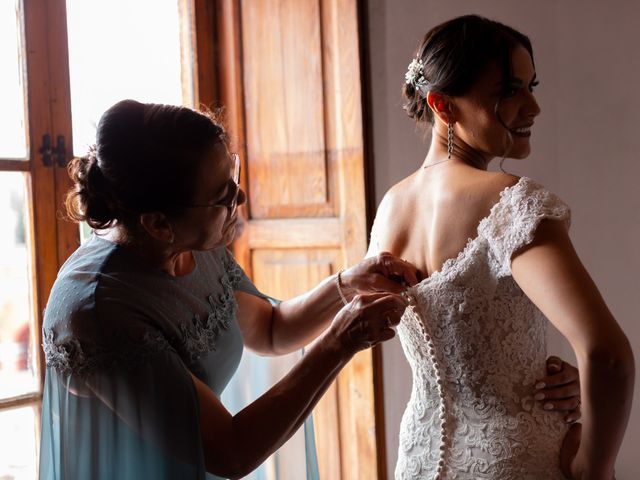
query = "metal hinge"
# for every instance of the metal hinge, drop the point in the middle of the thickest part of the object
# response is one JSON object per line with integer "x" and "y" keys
{"x": 57, "y": 154}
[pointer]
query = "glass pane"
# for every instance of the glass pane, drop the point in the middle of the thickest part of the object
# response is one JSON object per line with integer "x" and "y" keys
{"x": 18, "y": 357}
{"x": 14, "y": 143}
{"x": 18, "y": 454}
{"x": 117, "y": 50}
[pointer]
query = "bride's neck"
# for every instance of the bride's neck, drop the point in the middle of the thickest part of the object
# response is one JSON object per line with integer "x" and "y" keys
{"x": 461, "y": 151}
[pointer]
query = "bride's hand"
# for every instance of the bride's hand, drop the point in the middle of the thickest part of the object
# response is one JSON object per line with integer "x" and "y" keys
{"x": 381, "y": 273}
{"x": 561, "y": 390}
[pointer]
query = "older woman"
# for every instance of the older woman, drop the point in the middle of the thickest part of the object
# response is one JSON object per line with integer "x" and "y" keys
{"x": 147, "y": 321}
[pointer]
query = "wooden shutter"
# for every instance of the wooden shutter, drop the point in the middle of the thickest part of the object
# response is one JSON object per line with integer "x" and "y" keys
{"x": 288, "y": 75}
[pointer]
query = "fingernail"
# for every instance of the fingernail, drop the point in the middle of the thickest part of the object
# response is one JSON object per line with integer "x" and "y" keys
{"x": 554, "y": 366}
{"x": 569, "y": 420}
{"x": 548, "y": 406}
{"x": 540, "y": 385}
{"x": 539, "y": 396}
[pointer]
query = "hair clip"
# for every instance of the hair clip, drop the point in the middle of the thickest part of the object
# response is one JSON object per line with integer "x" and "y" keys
{"x": 415, "y": 76}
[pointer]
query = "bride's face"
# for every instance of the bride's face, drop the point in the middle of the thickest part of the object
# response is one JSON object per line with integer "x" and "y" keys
{"x": 496, "y": 116}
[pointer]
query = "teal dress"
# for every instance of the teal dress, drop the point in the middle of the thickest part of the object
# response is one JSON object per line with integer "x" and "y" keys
{"x": 119, "y": 342}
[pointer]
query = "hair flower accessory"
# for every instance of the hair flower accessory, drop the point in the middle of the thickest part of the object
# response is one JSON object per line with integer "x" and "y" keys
{"x": 415, "y": 76}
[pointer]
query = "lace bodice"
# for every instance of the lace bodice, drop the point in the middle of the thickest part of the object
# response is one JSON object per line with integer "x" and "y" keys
{"x": 476, "y": 344}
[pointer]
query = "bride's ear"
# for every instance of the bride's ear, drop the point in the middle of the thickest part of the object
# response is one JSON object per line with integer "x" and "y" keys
{"x": 441, "y": 106}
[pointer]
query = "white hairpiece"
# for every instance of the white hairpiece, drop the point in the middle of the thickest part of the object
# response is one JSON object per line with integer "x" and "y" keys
{"x": 415, "y": 76}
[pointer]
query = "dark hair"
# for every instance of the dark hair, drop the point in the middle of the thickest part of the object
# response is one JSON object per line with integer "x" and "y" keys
{"x": 456, "y": 53}
{"x": 145, "y": 159}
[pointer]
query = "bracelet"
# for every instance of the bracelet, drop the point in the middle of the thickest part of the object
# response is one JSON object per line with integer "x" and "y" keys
{"x": 339, "y": 285}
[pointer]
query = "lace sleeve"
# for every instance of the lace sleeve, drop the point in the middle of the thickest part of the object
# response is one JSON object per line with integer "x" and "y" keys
{"x": 515, "y": 219}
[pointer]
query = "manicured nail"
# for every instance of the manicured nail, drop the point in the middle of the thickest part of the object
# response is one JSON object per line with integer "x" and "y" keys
{"x": 540, "y": 385}
{"x": 539, "y": 396}
{"x": 548, "y": 406}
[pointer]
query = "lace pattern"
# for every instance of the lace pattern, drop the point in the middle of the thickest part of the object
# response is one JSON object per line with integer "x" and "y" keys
{"x": 197, "y": 337}
{"x": 488, "y": 347}
{"x": 81, "y": 358}
{"x": 200, "y": 336}
{"x": 514, "y": 219}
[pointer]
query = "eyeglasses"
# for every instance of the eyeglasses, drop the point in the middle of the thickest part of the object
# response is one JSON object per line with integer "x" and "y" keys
{"x": 230, "y": 200}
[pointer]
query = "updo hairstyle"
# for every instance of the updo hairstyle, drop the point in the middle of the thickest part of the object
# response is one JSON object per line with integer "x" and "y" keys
{"x": 455, "y": 54}
{"x": 145, "y": 159}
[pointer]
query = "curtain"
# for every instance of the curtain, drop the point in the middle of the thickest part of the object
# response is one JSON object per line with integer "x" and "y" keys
{"x": 296, "y": 459}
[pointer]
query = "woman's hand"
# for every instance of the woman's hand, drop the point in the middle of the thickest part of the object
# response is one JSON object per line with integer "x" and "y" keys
{"x": 560, "y": 389}
{"x": 381, "y": 273}
{"x": 367, "y": 320}
{"x": 263, "y": 426}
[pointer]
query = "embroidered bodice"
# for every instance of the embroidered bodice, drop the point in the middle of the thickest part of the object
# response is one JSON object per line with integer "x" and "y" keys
{"x": 476, "y": 344}
{"x": 105, "y": 312}
{"x": 121, "y": 343}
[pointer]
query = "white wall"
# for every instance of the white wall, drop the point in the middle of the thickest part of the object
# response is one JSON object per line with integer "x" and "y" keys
{"x": 585, "y": 145}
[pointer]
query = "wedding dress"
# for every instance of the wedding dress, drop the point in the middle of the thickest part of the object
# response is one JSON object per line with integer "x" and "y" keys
{"x": 476, "y": 345}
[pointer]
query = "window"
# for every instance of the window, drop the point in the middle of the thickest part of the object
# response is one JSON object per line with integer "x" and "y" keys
{"x": 141, "y": 62}
{"x": 20, "y": 367}
{"x": 41, "y": 92}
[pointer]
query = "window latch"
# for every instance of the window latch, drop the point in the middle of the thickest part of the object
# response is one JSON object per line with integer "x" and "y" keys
{"x": 51, "y": 154}
{"x": 60, "y": 152}
{"x": 45, "y": 150}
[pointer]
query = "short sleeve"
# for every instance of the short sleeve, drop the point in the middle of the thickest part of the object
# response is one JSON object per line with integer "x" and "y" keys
{"x": 515, "y": 218}
{"x": 239, "y": 279}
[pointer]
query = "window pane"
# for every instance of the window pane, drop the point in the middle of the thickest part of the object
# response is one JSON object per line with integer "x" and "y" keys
{"x": 18, "y": 358}
{"x": 13, "y": 144}
{"x": 117, "y": 50}
{"x": 18, "y": 443}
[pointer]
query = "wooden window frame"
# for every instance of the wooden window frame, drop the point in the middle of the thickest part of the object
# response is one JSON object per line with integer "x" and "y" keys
{"x": 47, "y": 111}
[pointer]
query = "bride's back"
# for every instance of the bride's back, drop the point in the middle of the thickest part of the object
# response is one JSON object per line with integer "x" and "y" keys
{"x": 428, "y": 217}
{"x": 474, "y": 341}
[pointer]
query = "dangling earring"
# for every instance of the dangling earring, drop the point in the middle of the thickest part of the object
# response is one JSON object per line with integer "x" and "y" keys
{"x": 449, "y": 139}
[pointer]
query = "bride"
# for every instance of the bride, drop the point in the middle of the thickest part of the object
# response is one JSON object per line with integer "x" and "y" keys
{"x": 498, "y": 263}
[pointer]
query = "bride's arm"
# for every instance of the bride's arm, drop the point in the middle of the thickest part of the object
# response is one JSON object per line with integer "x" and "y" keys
{"x": 552, "y": 276}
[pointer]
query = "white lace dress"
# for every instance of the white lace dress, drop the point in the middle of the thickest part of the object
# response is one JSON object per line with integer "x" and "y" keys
{"x": 476, "y": 344}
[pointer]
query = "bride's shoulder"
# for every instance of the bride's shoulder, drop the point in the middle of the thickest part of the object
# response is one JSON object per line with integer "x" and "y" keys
{"x": 398, "y": 196}
{"x": 516, "y": 189}
{"x": 513, "y": 195}
{"x": 493, "y": 183}
{"x": 484, "y": 189}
